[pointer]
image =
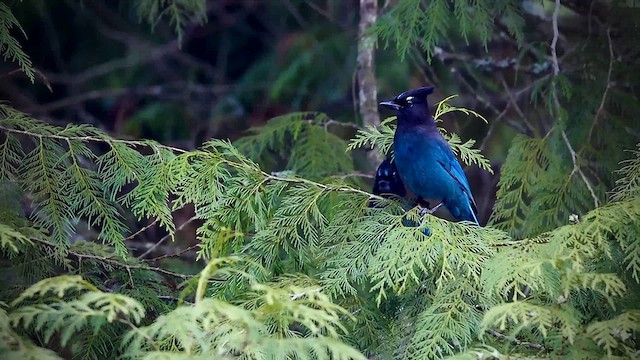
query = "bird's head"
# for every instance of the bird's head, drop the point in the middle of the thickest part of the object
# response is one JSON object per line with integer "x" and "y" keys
{"x": 411, "y": 102}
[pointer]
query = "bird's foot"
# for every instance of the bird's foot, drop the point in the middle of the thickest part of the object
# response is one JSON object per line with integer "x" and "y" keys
{"x": 426, "y": 210}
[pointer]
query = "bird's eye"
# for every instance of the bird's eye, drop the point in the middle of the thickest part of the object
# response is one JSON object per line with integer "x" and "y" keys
{"x": 409, "y": 100}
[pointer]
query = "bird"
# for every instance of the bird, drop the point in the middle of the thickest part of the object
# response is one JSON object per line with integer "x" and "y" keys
{"x": 425, "y": 162}
{"x": 387, "y": 181}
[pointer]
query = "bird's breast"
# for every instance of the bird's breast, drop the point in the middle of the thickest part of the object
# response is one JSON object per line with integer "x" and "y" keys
{"x": 417, "y": 166}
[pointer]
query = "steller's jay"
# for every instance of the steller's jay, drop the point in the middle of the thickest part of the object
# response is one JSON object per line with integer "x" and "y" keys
{"x": 424, "y": 159}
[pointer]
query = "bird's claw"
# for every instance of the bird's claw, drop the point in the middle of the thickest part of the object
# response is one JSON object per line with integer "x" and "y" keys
{"x": 425, "y": 210}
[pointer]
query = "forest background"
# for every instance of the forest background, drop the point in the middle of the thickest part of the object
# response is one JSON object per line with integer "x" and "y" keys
{"x": 190, "y": 178}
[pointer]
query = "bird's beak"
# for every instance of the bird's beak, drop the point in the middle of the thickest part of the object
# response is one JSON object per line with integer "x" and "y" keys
{"x": 390, "y": 104}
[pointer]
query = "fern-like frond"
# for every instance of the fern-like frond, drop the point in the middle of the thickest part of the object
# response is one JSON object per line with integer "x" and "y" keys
{"x": 11, "y": 153}
{"x": 119, "y": 166}
{"x": 515, "y": 272}
{"x": 179, "y": 12}
{"x": 11, "y": 239}
{"x": 467, "y": 152}
{"x": 215, "y": 328}
{"x": 609, "y": 285}
{"x": 14, "y": 346}
{"x": 542, "y": 318}
{"x": 295, "y": 228}
{"x": 415, "y": 22}
{"x": 526, "y": 163}
{"x": 59, "y": 285}
{"x": 10, "y": 47}
{"x": 93, "y": 308}
{"x": 89, "y": 201}
{"x": 444, "y": 108}
{"x": 308, "y": 307}
{"x": 150, "y": 198}
{"x": 376, "y": 137}
{"x": 448, "y": 325}
{"x": 310, "y": 153}
{"x": 408, "y": 253}
{"x": 276, "y": 134}
{"x": 617, "y": 333}
{"x": 303, "y": 141}
{"x": 44, "y": 178}
{"x": 628, "y": 185}
{"x": 352, "y": 238}
{"x": 601, "y": 228}
{"x": 69, "y": 317}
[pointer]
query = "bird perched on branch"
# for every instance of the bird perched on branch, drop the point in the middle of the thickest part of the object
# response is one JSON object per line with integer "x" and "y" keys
{"x": 424, "y": 159}
{"x": 388, "y": 183}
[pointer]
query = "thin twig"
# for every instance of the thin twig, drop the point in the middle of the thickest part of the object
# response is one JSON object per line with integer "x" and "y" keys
{"x": 576, "y": 168}
{"x": 94, "y": 139}
{"x": 554, "y": 42}
{"x": 327, "y": 15}
{"x": 486, "y": 138}
{"x": 145, "y": 228}
{"x": 354, "y": 174}
{"x": 40, "y": 74}
{"x": 137, "y": 330}
{"x": 327, "y": 123}
{"x": 323, "y": 186}
{"x": 173, "y": 298}
{"x": 93, "y": 95}
{"x": 172, "y": 255}
{"x": 170, "y": 235}
{"x": 520, "y": 243}
{"x": 113, "y": 262}
{"x": 516, "y": 341}
{"x": 515, "y": 105}
{"x": 556, "y": 72}
{"x": 500, "y": 114}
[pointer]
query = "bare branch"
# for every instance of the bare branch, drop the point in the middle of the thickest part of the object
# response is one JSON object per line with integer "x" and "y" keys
{"x": 143, "y": 229}
{"x": 113, "y": 262}
{"x": 93, "y": 139}
{"x": 516, "y": 341}
{"x": 179, "y": 253}
{"x": 170, "y": 235}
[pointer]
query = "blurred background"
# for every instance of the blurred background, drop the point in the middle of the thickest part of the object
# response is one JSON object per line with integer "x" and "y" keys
{"x": 186, "y": 79}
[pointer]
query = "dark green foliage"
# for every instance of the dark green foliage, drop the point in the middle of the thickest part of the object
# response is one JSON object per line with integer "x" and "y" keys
{"x": 431, "y": 293}
{"x": 427, "y": 23}
{"x": 293, "y": 263}
{"x": 9, "y": 46}
{"x": 180, "y": 13}
{"x": 303, "y": 141}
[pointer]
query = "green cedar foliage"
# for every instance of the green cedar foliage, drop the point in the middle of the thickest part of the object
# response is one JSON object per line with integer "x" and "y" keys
{"x": 426, "y": 23}
{"x": 180, "y": 13}
{"x": 10, "y": 48}
{"x": 296, "y": 267}
{"x": 301, "y": 266}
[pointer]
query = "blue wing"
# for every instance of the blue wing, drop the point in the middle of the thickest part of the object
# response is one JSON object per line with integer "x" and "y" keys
{"x": 452, "y": 166}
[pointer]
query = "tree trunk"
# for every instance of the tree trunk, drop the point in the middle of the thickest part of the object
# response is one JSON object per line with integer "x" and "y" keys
{"x": 367, "y": 95}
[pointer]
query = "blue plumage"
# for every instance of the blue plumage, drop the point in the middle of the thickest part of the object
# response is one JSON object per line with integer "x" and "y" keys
{"x": 424, "y": 159}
